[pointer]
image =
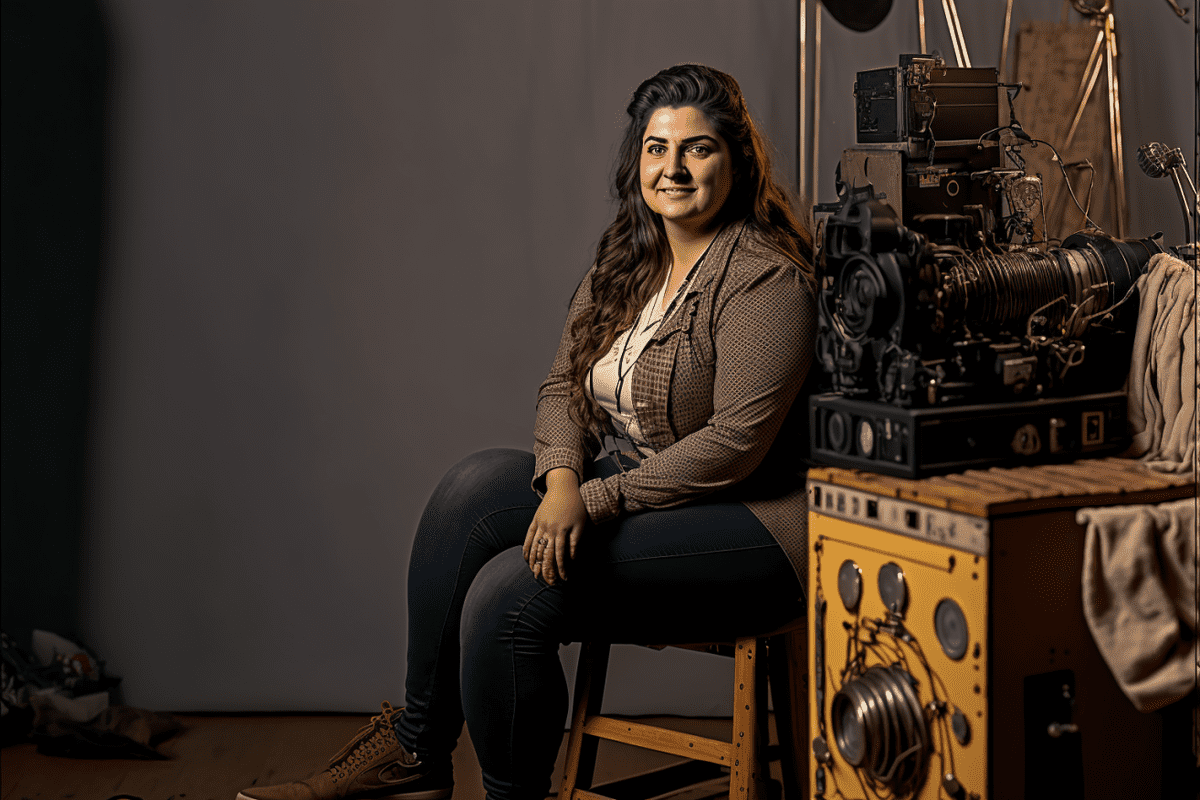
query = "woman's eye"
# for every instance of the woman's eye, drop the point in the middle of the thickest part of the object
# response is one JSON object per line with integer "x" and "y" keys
{"x": 701, "y": 149}
{"x": 656, "y": 149}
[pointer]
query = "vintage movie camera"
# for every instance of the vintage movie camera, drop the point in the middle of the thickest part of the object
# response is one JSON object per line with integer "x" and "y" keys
{"x": 947, "y": 339}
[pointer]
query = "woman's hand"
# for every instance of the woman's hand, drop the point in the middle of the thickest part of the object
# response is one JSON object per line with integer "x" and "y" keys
{"x": 557, "y": 526}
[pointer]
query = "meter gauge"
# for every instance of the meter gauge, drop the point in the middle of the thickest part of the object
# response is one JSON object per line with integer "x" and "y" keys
{"x": 950, "y": 625}
{"x": 893, "y": 589}
{"x": 849, "y": 583}
{"x": 866, "y": 438}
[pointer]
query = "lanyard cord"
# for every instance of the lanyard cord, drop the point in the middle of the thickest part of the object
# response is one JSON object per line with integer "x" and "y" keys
{"x": 637, "y": 328}
{"x": 621, "y": 373}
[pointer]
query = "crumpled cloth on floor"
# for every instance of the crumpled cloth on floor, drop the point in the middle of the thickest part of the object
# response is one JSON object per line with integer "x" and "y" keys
{"x": 116, "y": 732}
{"x": 1162, "y": 374}
{"x": 58, "y": 698}
{"x": 1139, "y": 597}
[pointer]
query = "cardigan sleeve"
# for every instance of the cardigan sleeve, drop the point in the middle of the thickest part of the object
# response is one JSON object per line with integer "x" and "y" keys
{"x": 763, "y": 333}
{"x": 557, "y": 440}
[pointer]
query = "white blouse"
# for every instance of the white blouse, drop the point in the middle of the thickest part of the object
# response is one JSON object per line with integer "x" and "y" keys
{"x": 610, "y": 381}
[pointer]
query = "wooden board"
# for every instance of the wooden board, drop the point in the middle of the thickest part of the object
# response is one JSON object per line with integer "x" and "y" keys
{"x": 985, "y": 493}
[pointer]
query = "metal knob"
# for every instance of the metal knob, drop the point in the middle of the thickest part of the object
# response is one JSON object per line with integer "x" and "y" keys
{"x": 1057, "y": 729}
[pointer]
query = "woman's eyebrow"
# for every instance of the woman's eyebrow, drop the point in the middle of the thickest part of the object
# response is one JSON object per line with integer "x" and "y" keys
{"x": 688, "y": 140}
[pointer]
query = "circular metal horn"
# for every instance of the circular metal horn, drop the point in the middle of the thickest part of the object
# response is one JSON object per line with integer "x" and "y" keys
{"x": 880, "y": 729}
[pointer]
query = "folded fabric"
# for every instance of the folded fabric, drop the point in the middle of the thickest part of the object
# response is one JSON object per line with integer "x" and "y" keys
{"x": 1162, "y": 373}
{"x": 1139, "y": 597}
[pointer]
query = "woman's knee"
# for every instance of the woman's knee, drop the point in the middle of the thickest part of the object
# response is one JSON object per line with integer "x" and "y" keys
{"x": 507, "y": 604}
{"x": 493, "y": 468}
{"x": 498, "y": 477}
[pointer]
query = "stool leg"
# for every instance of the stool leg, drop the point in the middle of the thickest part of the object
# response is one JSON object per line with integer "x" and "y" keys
{"x": 762, "y": 719}
{"x": 789, "y": 689}
{"x": 590, "y": 675}
{"x": 743, "y": 781}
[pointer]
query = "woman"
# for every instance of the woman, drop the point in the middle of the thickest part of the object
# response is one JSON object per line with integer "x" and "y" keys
{"x": 690, "y": 338}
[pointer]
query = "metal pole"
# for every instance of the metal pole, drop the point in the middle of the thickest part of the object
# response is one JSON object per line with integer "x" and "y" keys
{"x": 1004, "y": 43}
{"x": 956, "y": 31}
{"x": 802, "y": 122}
{"x": 1114, "y": 125}
{"x": 1090, "y": 76}
{"x": 1187, "y": 212}
{"x": 958, "y": 56}
{"x": 816, "y": 138}
{"x": 1091, "y": 62}
{"x": 921, "y": 24}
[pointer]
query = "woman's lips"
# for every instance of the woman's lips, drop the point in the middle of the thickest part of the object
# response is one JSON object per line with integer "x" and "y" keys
{"x": 677, "y": 192}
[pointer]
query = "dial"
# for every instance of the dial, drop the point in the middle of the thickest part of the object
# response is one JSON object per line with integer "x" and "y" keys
{"x": 893, "y": 589}
{"x": 849, "y": 581}
{"x": 866, "y": 438}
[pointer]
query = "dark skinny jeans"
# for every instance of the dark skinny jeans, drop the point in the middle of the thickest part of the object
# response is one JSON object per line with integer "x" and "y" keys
{"x": 484, "y": 633}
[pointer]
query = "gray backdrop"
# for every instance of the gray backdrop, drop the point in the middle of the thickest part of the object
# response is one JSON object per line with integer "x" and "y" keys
{"x": 342, "y": 242}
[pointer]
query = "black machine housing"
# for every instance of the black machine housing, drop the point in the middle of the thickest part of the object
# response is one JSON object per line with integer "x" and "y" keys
{"x": 925, "y": 97}
{"x": 944, "y": 345}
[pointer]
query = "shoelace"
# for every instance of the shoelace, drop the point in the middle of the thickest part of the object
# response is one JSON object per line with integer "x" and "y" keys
{"x": 373, "y": 739}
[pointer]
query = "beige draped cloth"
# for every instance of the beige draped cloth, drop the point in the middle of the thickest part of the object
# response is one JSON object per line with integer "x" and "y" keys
{"x": 1139, "y": 597}
{"x": 1139, "y": 563}
{"x": 1162, "y": 372}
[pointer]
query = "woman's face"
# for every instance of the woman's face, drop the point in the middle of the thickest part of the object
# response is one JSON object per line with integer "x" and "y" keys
{"x": 686, "y": 169}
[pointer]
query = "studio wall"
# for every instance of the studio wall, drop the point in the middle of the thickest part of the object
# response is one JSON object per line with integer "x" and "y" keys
{"x": 344, "y": 239}
{"x": 341, "y": 242}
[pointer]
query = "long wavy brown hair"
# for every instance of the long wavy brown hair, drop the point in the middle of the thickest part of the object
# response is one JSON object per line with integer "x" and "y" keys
{"x": 633, "y": 255}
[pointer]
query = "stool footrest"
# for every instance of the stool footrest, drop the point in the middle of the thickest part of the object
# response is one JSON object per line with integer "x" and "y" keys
{"x": 690, "y": 780}
{"x": 648, "y": 737}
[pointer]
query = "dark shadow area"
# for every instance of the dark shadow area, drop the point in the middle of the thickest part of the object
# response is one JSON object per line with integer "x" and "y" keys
{"x": 55, "y": 58}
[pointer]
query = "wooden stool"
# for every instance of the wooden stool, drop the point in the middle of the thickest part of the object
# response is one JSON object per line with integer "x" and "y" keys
{"x": 782, "y": 654}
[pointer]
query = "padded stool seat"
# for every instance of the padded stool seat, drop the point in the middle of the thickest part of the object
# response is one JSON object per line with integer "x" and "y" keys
{"x": 738, "y": 766}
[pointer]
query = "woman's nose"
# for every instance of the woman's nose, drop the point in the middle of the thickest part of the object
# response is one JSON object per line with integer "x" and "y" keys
{"x": 676, "y": 165}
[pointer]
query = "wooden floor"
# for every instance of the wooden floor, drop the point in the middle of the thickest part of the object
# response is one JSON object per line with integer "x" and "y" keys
{"x": 214, "y": 757}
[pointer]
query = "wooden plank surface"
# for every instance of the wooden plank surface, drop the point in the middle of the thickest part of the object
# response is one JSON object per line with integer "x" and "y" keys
{"x": 1100, "y": 481}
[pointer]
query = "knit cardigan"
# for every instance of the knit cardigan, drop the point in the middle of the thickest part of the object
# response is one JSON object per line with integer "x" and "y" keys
{"x": 713, "y": 392}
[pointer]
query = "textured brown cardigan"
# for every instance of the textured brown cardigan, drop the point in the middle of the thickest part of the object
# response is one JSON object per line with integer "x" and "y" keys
{"x": 712, "y": 393}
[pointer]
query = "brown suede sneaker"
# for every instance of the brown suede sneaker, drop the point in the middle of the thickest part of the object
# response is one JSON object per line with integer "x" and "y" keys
{"x": 373, "y": 766}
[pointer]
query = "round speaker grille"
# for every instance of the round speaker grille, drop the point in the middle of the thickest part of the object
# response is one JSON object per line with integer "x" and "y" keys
{"x": 837, "y": 428}
{"x": 950, "y": 624}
